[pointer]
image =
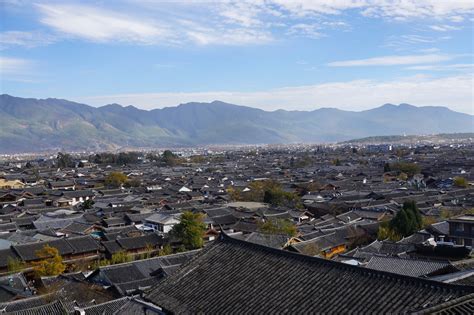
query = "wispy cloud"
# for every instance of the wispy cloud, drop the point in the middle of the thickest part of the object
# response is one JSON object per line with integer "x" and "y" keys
{"x": 100, "y": 25}
{"x": 398, "y": 9}
{"x": 392, "y": 60}
{"x": 14, "y": 66}
{"x": 26, "y": 39}
{"x": 205, "y": 35}
{"x": 215, "y": 22}
{"x": 469, "y": 67}
{"x": 409, "y": 9}
{"x": 350, "y": 95}
{"x": 444, "y": 28}
{"x": 306, "y": 30}
{"x": 105, "y": 25}
{"x": 408, "y": 41}
{"x": 17, "y": 69}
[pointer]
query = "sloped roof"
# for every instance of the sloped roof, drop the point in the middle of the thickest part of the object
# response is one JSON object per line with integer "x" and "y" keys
{"x": 53, "y": 308}
{"x": 232, "y": 275}
{"x": 461, "y": 305}
{"x": 270, "y": 240}
{"x": 409, "y": 267}
{"x": 65, "y": 246}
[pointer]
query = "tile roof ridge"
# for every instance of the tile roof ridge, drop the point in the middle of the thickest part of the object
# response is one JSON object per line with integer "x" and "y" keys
{"x": 444, "y": 305}
{"x": 416, "y": 259}
{"x": 376, "y": 273}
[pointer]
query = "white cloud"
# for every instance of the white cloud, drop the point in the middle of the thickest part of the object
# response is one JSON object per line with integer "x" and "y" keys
{"x": 307, "y": 30}
{"x": 232, "y": 22}
{"x": 17, "y": 69}
{"x": 409, "y": 41}
{"x": 103, "y": 25}
{"x": 392, "y": 60}
{"x": 309, "y": 7}
{"x": 430, "y": 50}
{"x": 100, "y": 25}
{"x": 452, "y": 67}
{"x": 455, "y": 92}
{"x": 456, "y": 18}
{"x": 392, "y": 9}
{"x": 241, "y": 12}
{"x": 25, "y": 39}
{"x": 204, "y": 35}
{"x": 444, "y": 28}
{"x": 14, "y": 66}
{"x": 410, "y": 9}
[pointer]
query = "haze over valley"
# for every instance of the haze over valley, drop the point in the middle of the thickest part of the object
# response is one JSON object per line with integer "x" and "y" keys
{"x": 31, "y": 125}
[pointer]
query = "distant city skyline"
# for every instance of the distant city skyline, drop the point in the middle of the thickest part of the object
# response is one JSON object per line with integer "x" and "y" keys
{"x": 293, "y": 55}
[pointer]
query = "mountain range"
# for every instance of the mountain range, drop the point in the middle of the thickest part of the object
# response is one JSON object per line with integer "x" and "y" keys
{"x": 33, "y": 125}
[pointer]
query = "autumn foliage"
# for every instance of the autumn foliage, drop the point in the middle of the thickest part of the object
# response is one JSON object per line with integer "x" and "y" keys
{"x": 51, "y": 263}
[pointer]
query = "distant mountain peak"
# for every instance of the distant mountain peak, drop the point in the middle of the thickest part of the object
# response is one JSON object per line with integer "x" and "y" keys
{"x": 112, "y": 106}
{"x": 61, "y": 124}
{"x": 405, "y": 105}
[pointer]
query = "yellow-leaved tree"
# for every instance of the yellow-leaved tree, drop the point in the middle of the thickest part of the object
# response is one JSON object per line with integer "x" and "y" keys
{"x": 51, "y": 263}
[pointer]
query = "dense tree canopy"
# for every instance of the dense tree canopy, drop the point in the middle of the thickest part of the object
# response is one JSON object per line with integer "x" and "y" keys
{"x": 279, "y": 226}
{"x": 405, "y": 167}
{"x": 65, "y": 160}
{"x": 267, "y": 191}
{"x": 121, "y": 158}
{"x": 15, "y": 265}
{"x": 459, "y": 181}
{"x": 190, "y": 230}
{"x": 408, "y": 220}
{"x": 115, "y": 179}
{"x": 51, "y": 263}
{"x": 169, "y": 158}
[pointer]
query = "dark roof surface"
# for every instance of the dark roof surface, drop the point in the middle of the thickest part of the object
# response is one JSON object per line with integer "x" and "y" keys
{"x": 232, "y": 275}
{"x": 409, "y": 267}
{"x": 462, "y": 305}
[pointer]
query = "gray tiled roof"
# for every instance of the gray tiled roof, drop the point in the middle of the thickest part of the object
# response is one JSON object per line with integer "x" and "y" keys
{"x": 232, "y": 275}
{"x": 408, "y": 267}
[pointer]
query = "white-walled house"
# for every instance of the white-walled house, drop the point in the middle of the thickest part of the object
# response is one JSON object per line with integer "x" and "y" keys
{"x": 162, "y": 222}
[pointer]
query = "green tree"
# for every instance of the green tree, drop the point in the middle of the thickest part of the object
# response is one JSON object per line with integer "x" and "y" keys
{"x": 64, "y": 160}
{"x": 445, "y": 214}
{"x": 459, "y": 181}
{"x": 408, "y": 220}
{"x": 406, "y": 167}
{"x": 169, "y": 158}
{"x": 190, "y": 230}
{"x": 166, "y": 250}
{"x": 51, "y": 263}
{"x": 14, "y": 265}
{"x": 386, "y": 232}
{"x": 268, "y": 191}
{"x": 279, "y": 197}
{"x": 120, "y": 257}
{"x": 134, "y": 182}
{"x": 386, "y": 168}
{"x": 197, "y": 159}
{"x": 181, "y": 249}
{"x": 87, "y": 204}
{"x": 149, "y": 250}
{"x": 115, "y": 179}
{"x": 427, "y": 221}
{"x": 279, "y": 226}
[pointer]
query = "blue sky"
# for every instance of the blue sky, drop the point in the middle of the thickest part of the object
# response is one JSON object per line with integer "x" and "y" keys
{"x": 295, "y": 55}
